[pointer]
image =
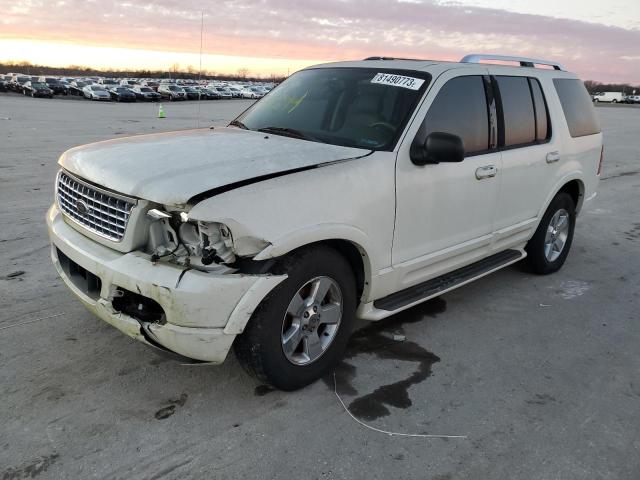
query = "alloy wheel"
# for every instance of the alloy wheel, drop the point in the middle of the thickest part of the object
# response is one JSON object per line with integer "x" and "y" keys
{"x": 312, "y": 320}
{"x": 557, "y": 234}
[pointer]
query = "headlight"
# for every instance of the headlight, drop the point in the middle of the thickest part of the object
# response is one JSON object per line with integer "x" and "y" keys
{"x": 187, "y": 242}
{"x": 210, "y": 241}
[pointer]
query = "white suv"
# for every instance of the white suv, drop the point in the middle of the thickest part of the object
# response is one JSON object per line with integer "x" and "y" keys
{"x": 354, "y": 189}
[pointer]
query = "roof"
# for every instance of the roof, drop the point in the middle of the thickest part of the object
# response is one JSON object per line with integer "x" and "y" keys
{"x": 436, "y": 67}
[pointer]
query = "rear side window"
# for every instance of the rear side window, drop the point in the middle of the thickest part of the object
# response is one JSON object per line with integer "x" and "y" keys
{"x": 518, "y": 112}
{"x": 460, "y": 108}
{"x": 577, "y": 107}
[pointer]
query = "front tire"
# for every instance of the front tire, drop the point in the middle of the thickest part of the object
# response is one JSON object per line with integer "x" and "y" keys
{"x": 300, "y": 330}
{"x": 548, "y": 248}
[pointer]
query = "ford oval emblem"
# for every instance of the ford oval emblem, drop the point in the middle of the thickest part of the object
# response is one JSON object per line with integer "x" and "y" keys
{"x": 82, "y": 207}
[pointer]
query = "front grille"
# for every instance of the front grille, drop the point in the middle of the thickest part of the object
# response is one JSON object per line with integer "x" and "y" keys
{"x": 99, "y": 211}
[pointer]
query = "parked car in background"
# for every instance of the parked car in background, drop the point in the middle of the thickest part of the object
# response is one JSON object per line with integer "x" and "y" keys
{"x": 611, "y": 97}
{"x": 207, "y": 94}
{"x": 65, "y": 85}
{"x": 129, "y": 83}
{"x": 37, "y": 89}
{"x": 631, "y": 99}
{"x": 4, "y": 85}
{"x": 122, "y": 94}
{"x": 76, "y": 86}
{"x": 172, "y": 92}
{"x": 18, "y": 81}
{"x": 108, "y": 82}
{"x": 54, "y": 84}
{"x": 151, "y": 84}
{"x": 252, "y": 92}
{"x": 146, "y": 93}
{"x": 96, "y": 92}
{"x": 192, "y": 92}
{"x": 224, "y": 92}
{"x": 236, "y": 92}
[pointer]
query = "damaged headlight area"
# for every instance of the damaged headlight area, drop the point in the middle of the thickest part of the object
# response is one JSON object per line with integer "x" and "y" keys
{"x": 206, "y": 246}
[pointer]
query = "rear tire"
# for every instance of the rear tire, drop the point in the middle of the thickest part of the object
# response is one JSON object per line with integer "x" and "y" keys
{"x": 548, "y": 248}
{"x": 287, "y": 314}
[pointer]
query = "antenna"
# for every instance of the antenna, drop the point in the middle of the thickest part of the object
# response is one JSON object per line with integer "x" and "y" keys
{"x": 200, "y": 69}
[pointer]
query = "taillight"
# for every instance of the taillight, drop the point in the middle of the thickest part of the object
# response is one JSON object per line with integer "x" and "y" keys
{"x": 600, "y": 162}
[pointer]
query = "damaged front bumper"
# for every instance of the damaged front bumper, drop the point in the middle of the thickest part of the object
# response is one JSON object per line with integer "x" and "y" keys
{"x": 197, "y": 314}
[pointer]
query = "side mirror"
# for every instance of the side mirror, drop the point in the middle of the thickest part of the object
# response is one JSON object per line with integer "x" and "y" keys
{"x": 437, "y": 147}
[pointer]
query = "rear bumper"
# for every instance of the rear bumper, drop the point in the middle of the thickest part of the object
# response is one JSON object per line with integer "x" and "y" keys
{"x": 203, "y": 311}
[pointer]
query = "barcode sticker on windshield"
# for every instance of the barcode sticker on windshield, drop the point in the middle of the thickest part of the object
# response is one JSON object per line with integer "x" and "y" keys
{"x": 398, "y": 81}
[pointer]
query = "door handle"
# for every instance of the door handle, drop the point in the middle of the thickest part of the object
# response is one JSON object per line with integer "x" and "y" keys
{"x": 487, "y": 171}
{"x": 553, "y": 157}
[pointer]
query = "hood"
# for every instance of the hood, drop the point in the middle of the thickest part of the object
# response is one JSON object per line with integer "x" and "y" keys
{"x": 170, "y": 168}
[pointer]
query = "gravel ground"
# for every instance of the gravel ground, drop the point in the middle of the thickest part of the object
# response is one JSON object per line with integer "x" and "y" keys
{"x": 540, "y": 374}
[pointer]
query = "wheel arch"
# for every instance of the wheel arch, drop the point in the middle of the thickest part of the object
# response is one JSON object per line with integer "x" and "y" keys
{"x": 571, "y": 184}
{"x": 575, "y": 188}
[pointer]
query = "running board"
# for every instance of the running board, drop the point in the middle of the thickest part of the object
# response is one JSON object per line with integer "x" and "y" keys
{"x": 448, "y": 281}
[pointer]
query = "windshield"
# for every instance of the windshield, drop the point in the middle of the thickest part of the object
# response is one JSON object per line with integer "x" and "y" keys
{"x": 354, "y": 107}
{"x": 173, "y": 88}
{"x": 97, "y": 88}
{"x": 146, "y": 89}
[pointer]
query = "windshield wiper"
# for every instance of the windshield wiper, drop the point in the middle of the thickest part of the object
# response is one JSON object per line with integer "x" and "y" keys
{"x": 238, "y": 123}
{"x": 288, "y": 132}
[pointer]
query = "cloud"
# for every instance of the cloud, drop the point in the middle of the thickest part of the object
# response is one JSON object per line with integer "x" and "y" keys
{"x": 329, "y": 29}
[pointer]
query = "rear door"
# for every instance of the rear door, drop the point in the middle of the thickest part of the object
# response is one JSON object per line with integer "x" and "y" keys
{"x": 530, "y": 156}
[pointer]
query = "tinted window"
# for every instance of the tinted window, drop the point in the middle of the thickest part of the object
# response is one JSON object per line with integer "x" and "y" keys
{"x": 542, "y": 115}
{"x": 517, "y": 107}
{"x": 577, "y": 107}
{"x": 460, "y": 108}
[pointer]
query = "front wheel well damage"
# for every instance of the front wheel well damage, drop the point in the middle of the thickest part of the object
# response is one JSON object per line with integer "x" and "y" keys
{"x": 347, "y": 249}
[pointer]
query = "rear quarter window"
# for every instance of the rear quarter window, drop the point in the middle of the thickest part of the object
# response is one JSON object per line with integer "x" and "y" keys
{"x": 577, "y": 107}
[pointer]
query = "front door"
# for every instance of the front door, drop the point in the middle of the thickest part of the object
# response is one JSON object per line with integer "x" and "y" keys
{"x": 445, "y": 211}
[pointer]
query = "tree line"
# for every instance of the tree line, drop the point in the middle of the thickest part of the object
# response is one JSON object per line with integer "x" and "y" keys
{"x": 593, "y": 87}
{"x": 174, "y": 71}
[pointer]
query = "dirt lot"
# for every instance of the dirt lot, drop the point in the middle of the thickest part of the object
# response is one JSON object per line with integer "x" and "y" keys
{"x": 541, "y": 374}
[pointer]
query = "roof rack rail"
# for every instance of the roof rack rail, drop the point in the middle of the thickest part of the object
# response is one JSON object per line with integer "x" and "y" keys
{"x": 394, "y": 58}
{"x": 524, "y": 61}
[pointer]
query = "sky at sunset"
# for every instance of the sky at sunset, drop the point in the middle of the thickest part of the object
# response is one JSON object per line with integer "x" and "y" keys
{"x": 598, "y": 40}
